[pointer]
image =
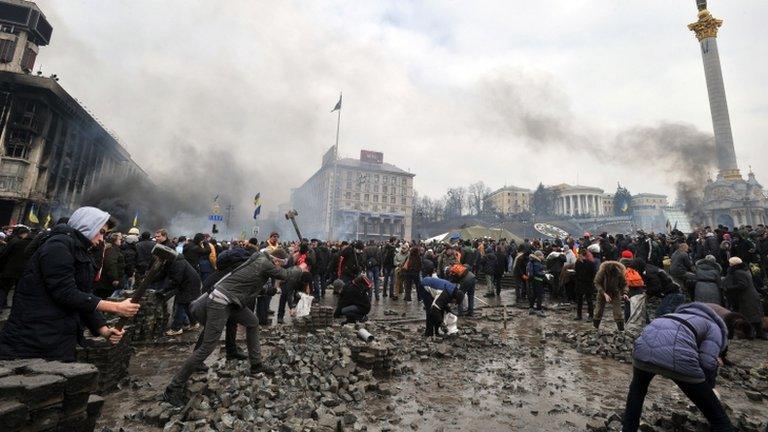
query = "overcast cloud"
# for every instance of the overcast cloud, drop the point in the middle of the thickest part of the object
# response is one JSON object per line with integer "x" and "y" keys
{"x": 455, "y": 92}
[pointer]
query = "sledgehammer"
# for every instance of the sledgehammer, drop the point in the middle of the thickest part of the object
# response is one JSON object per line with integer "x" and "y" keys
{"x": 162, "y": 255}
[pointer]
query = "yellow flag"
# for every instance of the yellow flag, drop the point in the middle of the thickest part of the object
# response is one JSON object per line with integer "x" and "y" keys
{"x": 48, "y": 220}
{"x": 32, "y": 217}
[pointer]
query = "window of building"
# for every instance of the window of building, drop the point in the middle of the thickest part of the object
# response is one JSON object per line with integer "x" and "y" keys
{"x": 366, "y": 197}
{"x": 392, "y": 209}
{"x": 384, "y": 189}
{"x": 375, "y": 198}
{"x": 392, "y": 200}
{"x": 18, "y": 144}
{"x": 375, "y": 188}
{"x": 357, "y": 197}
{"x": 402, "y": 200}
{"x": 376, "y": 178}
{"x": 28, "y": 60}
{"x": 349, "y": 184}
{"x": 404, "y": 181}
{"x": 7, "y": 47}
{"x": 12, "y": 175}
{"x": 348, "y": 195}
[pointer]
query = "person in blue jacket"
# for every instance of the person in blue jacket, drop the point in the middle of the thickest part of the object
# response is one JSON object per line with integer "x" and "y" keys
{"x": 439, "y": 294}
{"x": 685, "y": 346}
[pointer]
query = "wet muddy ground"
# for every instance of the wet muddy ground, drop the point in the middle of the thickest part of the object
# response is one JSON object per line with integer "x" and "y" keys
{"x": 531, "y": 380}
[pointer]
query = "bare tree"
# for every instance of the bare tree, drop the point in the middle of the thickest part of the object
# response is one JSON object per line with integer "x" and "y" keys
{"x": 455, "y": 201}
{"x": 476, "y": 194}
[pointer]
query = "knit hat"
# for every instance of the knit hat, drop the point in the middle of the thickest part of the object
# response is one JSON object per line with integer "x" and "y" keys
{"x": 627, "y": 254}
{"x": 734, "y": 261}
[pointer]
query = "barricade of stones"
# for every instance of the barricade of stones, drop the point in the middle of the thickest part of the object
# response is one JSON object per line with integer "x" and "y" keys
{"x": 616, "y": 345}
{"x": 38, "y": 395}
{"x": 152, "y": 319}
{"x": 111, "y": 360}
{"x": 319, "y": 317}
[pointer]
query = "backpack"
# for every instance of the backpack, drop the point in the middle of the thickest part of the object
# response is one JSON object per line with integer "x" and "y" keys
{"x": 458, "y": 271}
{"x": 633, "y": 278}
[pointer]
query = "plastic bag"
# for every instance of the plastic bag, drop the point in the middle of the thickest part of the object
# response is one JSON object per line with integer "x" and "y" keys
{"x": 637, "y": 315}
{"x": 304, "y": 305}
{"x": 449, "y": 322}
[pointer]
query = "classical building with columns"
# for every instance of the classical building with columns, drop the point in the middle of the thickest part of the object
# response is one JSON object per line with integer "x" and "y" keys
{"x": 53, "y": 149}
{"x": 356, "y": 199}
{"x": 580, "y": 201}
{"x": 729, "y": 200}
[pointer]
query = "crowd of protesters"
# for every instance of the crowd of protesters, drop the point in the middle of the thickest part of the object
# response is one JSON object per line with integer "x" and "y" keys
{"x": 710, "y": 282}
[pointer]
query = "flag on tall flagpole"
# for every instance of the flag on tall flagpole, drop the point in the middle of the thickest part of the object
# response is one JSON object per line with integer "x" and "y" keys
{"x": 338, "y": 104}
{"x": 136, "y": 219}
{"x": 48, "y": 220}
{"x": 257, "y": 203}
{"x": 32, "y": 216}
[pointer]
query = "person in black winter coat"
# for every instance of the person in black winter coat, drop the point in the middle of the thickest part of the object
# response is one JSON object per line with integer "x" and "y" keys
{"x": 742, "y": 295}
{"x": 54, "y": 301}
{"x": 195, "y": 250}
{"x": 354, "y": 302}
{"x": 351, "y": 262}
{"x": 489, "y": 262}
{"x": 320, "y": 269}
{"x": 226, "y": 262}
{"x": 12, "y": 262}
{"x": 143, "y": 254}
{"x": 501, "y": 267}
{"x": 184, "y": 282}
{"x": 585, "y": 286}
{"x": 130, "y": 255}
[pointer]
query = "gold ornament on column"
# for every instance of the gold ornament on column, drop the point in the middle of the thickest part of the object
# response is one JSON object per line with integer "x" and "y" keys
{"x": 706, "y": 26}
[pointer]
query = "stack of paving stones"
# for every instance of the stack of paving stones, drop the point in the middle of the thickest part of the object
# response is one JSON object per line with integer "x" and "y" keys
{"x": 111, "y": 360}
{"x": 38, "y": 395}
{"x": 319, "y": 317}
{"x": 607, "y": 344}
{"x": 375, "y": 356}
{"x": 152, "y": 319}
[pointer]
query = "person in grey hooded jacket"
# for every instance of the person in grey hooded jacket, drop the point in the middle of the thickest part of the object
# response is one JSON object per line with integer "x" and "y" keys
{"x": 684, "y": 346}
{"x": 54, "y": 300}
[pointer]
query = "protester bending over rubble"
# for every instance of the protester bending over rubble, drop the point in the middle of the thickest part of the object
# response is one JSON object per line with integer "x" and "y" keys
{"x": 438, "y": 296}
{"x": 355, "y": 302}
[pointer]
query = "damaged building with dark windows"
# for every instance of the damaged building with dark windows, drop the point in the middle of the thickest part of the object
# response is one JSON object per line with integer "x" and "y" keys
{"x": 53, "y": 149}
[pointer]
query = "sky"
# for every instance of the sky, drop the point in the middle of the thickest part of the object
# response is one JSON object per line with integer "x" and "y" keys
{"x": 507, "y": 92}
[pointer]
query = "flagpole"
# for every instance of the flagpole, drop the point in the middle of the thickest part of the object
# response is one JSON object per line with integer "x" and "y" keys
{"x": 332, "y": 204}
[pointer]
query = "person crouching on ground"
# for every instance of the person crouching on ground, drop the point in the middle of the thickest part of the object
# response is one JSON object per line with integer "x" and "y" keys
{"x": 354, "y": 302}
{"x": 684, "y": 346}
{"x": 438, "y": 296}
{"x": 226, "y": 301}
{"x": 611, "y": 288}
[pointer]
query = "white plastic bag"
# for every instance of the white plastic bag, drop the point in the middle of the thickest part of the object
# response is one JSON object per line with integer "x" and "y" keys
{"x": 637, "y": 311}
{"x": 304, "y": 305}
{"x": 449, "y": 321}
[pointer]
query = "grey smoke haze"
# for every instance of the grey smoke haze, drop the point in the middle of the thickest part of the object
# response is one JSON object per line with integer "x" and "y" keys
{"x": 427, "y": 83}
{"x": 538, "y": 111}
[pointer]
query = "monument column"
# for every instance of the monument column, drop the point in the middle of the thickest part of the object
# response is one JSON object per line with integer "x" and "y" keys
{"x": 706, "y": 31}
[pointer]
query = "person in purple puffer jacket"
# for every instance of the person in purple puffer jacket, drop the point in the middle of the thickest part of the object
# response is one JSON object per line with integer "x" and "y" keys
{"x": 684, "y": 346}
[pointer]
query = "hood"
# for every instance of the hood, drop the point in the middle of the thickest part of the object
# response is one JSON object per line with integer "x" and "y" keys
{"x": 704, "y": 311}
{"x": 131, "y": 238}
{"x": 88, "y": 220}
{"x": 705, "y": 264}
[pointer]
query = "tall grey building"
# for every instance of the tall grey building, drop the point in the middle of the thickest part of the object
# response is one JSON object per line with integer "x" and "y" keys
{"x": 53, "y": 149}
{"x": 356, "y": 199}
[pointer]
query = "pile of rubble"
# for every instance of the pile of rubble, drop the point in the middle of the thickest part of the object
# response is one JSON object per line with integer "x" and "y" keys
{"x": 754, "y": 380}
{"x": 112, "y": 361}
{"x": 617, "y": 345}
{"x": 38, "y": 395}
{"x": 319, "y": 317}
{"x": 319, "y": 383}
{"x": 671, "y": 414}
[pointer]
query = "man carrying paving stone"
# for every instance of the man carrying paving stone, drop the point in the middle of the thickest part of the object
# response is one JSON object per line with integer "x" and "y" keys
{"x": 226, "y": 301}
